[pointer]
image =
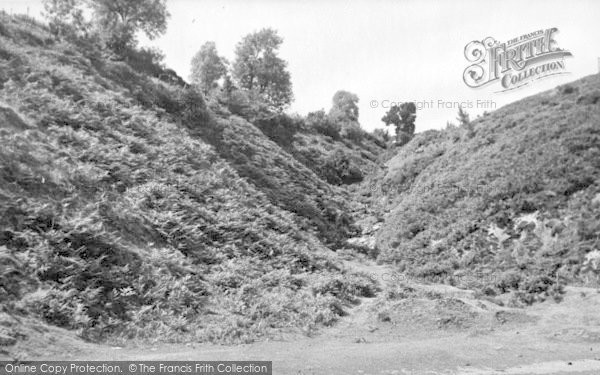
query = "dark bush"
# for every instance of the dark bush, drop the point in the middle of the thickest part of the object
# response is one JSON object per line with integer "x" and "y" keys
{"x": 567, "y": 89}
{"x": 353, "y": 132}
{"x": 339, "y": 169}
{"x": 323, "y": 124}
{"x": 590, "y": 98}
{"x": 508, "y": 280}
{"x": 193, "y": 110}
{"x": 381, "y": 136}
{"x": 280, "y": 128}
{"x": 239, "y": 103}
{"x": 146, "y": 60}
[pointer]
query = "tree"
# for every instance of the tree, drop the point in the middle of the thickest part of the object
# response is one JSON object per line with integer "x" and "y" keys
{"x": 345, "y": 107}
{"x": 228, "y": 86}
{"x": 258, "y": 68}
{"x": 120, "y": 20}
{"x": 403, "y": 118}
{"x": 65, "y": 17}
{"x": 344, "y": 111}
{"x": 207, "y": 67}
{"x": 463, "y": 117}
{"x": 382, "y": 134}
{"x": 465, "y": 121}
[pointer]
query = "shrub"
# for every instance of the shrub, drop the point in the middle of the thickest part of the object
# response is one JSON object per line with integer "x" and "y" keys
{"x": 353, "y": 132}
{"x": 193, "y": 111}
{"x": 323, "y": 124}
{"x": 340, "y": 169}
{"x": 382, "y": 136}
{"x": 567, "y": 89}
{"x": 146, "y": 60}
{"x": 589, "y": 98}
{"x": 280, "y": 128}
{"x": 508, "y": 280}
{"x": 240, "y": 103}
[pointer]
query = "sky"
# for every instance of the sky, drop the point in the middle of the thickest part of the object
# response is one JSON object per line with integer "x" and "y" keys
{"x": 384, "y": 51}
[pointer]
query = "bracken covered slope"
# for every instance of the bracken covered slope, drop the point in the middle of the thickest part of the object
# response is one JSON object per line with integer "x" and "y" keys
{"x": 512, "y": 204}
{"x": 129, "y": 210}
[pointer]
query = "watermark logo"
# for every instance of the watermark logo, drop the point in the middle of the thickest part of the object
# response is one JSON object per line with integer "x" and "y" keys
{"x": 515, "y": 63}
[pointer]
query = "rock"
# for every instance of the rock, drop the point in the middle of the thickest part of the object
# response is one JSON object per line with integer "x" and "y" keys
{"x": 556, "y": 226}
{"x": 367, "y": 242}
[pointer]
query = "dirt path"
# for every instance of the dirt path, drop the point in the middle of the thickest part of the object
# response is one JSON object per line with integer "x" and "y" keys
{"x": 547, "y": 338}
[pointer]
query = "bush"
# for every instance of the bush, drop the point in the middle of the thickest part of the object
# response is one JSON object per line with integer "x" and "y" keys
{"x": 193, "y": 111}
{"x": 590, "y": 98}
{"x": 146, "y": 60}
{"x": 509, "y": 280}
{"x": 323, "y": 124}
{"x": 567, "y": 89}
{"x": 239, "y": 103}
{"x": 353, "y": 132}
{"x": 339, "y": 169}
{"x": 280, "y": 128}
{"x": 382, "y": 136}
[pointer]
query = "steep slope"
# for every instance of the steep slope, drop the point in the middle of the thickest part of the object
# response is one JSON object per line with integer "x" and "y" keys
{"x": 299, "y": 168}
{"x": 512, "y": 204}
{"x": 285, "y": 181}
{"x": 324, "y": 146}
{"x": 118, "y": 219}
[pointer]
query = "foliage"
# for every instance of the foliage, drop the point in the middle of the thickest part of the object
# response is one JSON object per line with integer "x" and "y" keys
{"x": 403, "y": 118}
{"x": 119, "y": 20}
{"x": 340, "y": 169}
{"x": 130, "y": 211}
{"x": 148, "y": 61}
{"x": 280, "y": 128}
{"x": 460, "y": 208}
{"x": 257, "y": 67}
{"x": 353, "y": 131}
{"x": 463, "y": 117}
{"x": 323, "y": 124}
{"x": 382, "y": 134}
{"x": 344, "y": 107}
{"x": 115, "y": 22}
{"x": 65, "y": 18}
{"x": 207, "y": 67}
{"x": 465, "y": 121}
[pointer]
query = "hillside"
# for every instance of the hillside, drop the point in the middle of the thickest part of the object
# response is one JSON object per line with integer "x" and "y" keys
{"x": 134, "y": 209}
{"x": 131, "y": 211}
{"x": 512, "y": 205}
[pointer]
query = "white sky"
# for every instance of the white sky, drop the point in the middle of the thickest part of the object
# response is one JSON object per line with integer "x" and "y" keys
{"x": 380, "y": 50}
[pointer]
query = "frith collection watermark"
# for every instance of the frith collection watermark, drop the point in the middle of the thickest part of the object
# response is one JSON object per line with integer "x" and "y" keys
{"x": 436, "y": 104}
{"x": 514, "y": 63}
{"x": 136, "y": 367}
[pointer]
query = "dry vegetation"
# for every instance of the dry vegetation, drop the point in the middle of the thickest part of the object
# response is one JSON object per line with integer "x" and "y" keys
{"x": 511, "y": 204}
{"x": 131, "y": 208}
{"x": 120, "y": 220}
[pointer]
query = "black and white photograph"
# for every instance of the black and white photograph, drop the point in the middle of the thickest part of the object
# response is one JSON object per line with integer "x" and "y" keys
{"x": 299, "y": 187}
